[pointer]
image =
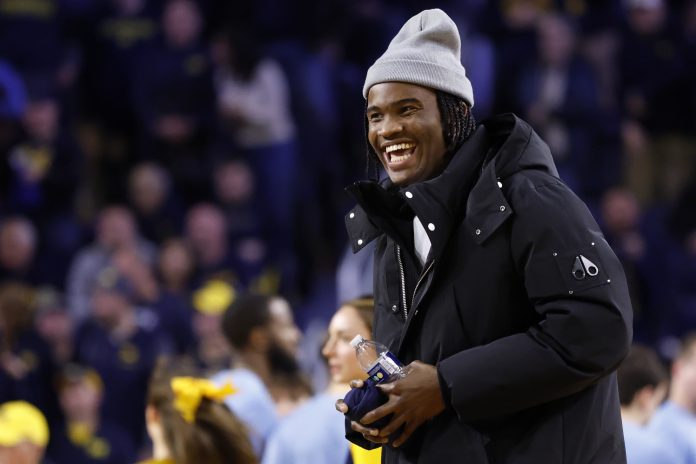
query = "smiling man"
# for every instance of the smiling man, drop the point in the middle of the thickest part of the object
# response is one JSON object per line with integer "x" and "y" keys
{"x": 413, "y": 153}
{"x": 492, "y": 280}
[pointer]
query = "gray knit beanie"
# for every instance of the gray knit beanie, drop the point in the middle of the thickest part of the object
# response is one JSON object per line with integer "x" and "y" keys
{"x": 427, "y": 52}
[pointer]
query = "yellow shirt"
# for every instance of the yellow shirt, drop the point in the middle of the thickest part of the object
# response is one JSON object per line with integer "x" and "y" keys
{"x": 363, "y": 456}
{"x": 158, "y": 461}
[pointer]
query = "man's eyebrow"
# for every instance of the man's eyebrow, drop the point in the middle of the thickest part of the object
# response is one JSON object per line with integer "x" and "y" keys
{"x": 396, "y": 103}
{"x": 407, "y": 100}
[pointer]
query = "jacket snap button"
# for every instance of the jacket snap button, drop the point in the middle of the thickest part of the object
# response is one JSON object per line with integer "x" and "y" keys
{"x": 409, "y": 195}
{"x": 360, "y": 242}
{"x": 478, "y": 231}
{"x": 502, "y": 208}
{"x": 500, "y": 185}
{"x": 395, "y": 308}
{"x": 431, "y": 227}
{"x": 352, "y": 215}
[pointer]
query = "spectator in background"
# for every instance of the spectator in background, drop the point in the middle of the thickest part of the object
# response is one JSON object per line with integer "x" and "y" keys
{"x": 27, "y": 370}
{"x": 139, "y": 272}
{"x": 151, "y": 195}
{"x": 24, "y": 433}
{"x": 44, "y": 167}
{"x": 174, "y": 99}
{"x": 54, "y": 324}
{"x": 188, "y": 424}
{"x": 621, "y": 218}
{"x": 85, "y": 438}
{"x": 240, "y": 262}
{"x": 18, "y": 249}
{"x": 657, "y": 102}
{"x": 235, "y": 193}
{"x": 512, "y": 25}
{"x": 117, "y": 33}
{"x": 115, "y": 230}
{"x": 123, "y": 353}
{"x": 206, "y": 234}
{"x": 600, "y": 24}
{"x": 253, "y": 101}
{"x": 146, "y": 296}
{"x": 175, "y": 266}
{"x": 557, "y": 94}
{"x": 323, "y": 438}
{"x": 675, "y": 421}
{"x": 264, "y": 340}
{"x": 210, "y": 301}
{"x": 643, "y": 383}
{"x": 41, "y": 176}
{"x": 678, "y": 282}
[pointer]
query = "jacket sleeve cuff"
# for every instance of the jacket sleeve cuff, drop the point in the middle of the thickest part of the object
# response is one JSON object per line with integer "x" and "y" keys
{"x": 444, "y": 389}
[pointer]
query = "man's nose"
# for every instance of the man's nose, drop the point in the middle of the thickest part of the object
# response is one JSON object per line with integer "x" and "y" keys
{"x": 390, "y": 127}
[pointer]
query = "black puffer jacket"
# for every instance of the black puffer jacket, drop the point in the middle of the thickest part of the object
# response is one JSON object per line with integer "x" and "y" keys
{"x": 521, "y": 305}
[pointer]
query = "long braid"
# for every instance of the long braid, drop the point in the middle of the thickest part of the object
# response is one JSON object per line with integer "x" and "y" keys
{"x": 458, "y": 124}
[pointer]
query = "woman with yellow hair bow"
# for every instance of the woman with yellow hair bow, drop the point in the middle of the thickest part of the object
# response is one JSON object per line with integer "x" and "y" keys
{"x": 189, "y": 424}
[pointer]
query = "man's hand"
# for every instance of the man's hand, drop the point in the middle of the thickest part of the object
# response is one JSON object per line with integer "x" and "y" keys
{"x": 413, "y": 400}
{"x": 368, "y": 434}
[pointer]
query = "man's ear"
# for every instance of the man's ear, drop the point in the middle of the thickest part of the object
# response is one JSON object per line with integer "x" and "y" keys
{"x": 259, "y": 339}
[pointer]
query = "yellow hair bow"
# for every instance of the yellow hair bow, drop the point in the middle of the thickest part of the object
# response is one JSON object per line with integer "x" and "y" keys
{"x": 188, "y": 392}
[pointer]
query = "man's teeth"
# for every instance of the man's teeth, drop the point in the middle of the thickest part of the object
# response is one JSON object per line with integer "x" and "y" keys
{"x": 399, "y": 146}
{"x": 398, "y": 159}
{"x": 392, "y": 149}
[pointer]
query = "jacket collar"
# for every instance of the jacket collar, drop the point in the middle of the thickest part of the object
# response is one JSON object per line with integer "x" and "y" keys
{"x": 470, "y": 184}
{"x": 380, "y": 210}
{"x": 385, "y": 208}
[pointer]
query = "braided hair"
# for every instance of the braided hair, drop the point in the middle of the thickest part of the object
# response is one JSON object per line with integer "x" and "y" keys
{"x": 458, "y": 124}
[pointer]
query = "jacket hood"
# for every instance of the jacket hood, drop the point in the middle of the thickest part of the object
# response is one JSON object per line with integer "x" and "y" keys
{"x": 515, "y": 146}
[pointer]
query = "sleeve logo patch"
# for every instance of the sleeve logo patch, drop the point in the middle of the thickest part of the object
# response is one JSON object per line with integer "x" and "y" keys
{"x": 582, "y": 267}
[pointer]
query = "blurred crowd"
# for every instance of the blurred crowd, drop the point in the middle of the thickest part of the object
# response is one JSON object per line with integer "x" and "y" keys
{"x": 160, "y": 158}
